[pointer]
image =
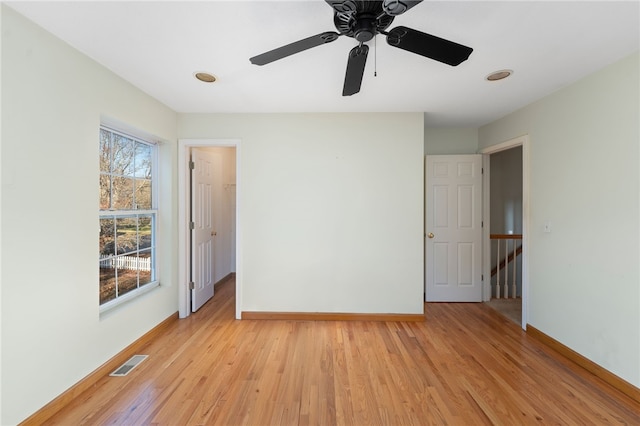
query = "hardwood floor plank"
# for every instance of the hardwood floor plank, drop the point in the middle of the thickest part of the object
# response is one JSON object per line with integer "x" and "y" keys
{"x": 464, "y": 364}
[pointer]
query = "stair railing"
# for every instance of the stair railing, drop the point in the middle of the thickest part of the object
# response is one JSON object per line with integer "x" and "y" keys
{"x": 502, "y": 264}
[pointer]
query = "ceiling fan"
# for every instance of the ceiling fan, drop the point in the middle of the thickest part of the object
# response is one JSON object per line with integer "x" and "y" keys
{"x": 363, "y": 20}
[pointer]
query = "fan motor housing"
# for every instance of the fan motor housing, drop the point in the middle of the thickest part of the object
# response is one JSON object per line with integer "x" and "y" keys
{"x": 362, "y": 22}
{"x": 364, "y": 28}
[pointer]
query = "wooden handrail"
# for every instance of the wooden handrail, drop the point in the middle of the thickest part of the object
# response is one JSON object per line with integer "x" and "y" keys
{"x": 505, "y": 236}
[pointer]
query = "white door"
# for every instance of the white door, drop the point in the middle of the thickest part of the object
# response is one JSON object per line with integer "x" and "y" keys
{"x": 205, "y": 167}
{"x": 453, "y": 227}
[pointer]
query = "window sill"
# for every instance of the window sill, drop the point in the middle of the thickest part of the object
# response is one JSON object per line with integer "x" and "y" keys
{"x": 109, "y": 306}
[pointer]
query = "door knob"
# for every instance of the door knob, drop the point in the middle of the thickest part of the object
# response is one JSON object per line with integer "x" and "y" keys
{"x": 430, "y": 235}
{"x": 213, "y": 233}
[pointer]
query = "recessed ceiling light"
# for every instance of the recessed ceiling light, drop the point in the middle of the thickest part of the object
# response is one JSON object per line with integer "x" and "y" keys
{"x": 499, "y": 75}
{"x": 206, "y": 77}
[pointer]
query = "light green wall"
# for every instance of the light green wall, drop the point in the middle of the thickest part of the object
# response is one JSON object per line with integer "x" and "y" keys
{"x": 352, "y": 174}
{"x": 53, "y": 98}
{"x": 585, "y": 180}
{"x": 331, "y": 208}
{"x": 450, "y": 141}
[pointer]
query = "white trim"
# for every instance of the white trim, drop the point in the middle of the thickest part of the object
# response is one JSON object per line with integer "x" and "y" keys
{"x": 131, "y": 135}
{"x": 503, "y": 146}
{"x": 128, "y": 130}
{"x": 184, "y": 146}
{"x": 526, "y": 178}
{"x": 146, "y": 288}
{"x": 486, "y": 227}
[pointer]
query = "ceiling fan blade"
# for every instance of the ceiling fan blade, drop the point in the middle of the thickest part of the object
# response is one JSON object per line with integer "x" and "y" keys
{"x": 428, "y": 45}
{"x": 355, "y": 70}
{"x": 343, "y": 6}
{"x": 398, "y": 7}
{"x": 295, "y": 47}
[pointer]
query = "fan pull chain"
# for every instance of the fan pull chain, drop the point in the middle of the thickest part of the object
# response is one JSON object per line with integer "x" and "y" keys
{"x": 375, "y": 56}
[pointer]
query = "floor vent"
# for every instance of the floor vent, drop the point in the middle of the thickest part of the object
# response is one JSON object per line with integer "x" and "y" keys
{"x": 125, "y": 368}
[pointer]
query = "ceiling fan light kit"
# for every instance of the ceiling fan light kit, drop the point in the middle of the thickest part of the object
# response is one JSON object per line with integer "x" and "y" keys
{"x": 362, "y": 21}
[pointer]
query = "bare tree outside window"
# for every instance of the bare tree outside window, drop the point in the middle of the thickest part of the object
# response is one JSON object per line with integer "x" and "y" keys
{"x": 127, "y": 214}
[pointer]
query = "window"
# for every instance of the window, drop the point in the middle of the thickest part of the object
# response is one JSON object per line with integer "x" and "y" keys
{"x": 128, "y": 217}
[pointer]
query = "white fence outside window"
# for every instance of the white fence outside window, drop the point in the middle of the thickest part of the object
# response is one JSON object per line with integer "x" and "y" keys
{"x": 126, "y": 262}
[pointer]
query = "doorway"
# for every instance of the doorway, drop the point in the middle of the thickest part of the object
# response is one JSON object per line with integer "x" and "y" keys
{"x": 228, "y": 224}
{"x": 506, "y": 232}
{"x": 506, "y": 219}
{"x": 213, "y": 184}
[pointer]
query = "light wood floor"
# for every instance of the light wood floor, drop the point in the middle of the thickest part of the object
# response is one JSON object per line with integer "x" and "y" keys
{"x": 465, "y": 365}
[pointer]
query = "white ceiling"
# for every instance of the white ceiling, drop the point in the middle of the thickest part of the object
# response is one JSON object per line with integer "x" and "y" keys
{"x": 157, "y": 46}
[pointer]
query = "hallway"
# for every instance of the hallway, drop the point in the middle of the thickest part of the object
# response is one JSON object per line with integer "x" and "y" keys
{"x": 510, "y": 308}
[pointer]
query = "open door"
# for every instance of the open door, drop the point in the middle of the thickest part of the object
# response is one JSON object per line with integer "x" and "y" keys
{"x": 205, "y": 175}
{"x": 453, "y": 226}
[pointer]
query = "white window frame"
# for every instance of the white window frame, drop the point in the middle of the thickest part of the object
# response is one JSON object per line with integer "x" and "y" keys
{"x": 153, "y": 212}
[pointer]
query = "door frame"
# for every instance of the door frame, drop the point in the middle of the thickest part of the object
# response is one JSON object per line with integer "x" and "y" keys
{"x": 184, "y": 200}
{"x": 486, "y": 267}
